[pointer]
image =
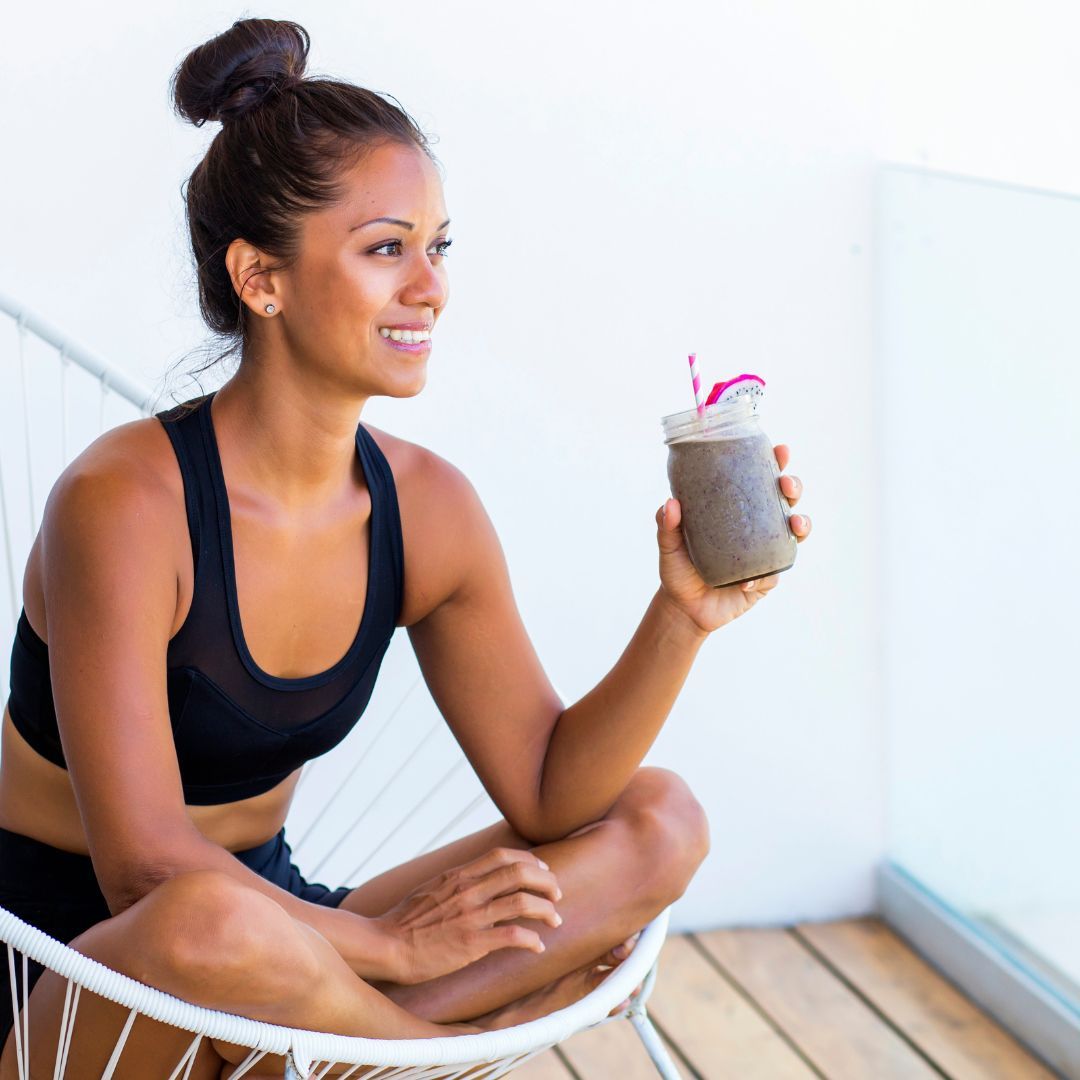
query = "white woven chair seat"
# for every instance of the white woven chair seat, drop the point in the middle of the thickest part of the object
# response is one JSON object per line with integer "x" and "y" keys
{"x": 313, "y": 1051}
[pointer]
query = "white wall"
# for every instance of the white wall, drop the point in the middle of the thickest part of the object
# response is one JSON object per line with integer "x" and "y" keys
{"x": 628, "y": 183}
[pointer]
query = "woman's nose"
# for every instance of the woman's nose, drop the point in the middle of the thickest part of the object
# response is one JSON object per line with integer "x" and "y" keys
{"x": 427, "y": 284}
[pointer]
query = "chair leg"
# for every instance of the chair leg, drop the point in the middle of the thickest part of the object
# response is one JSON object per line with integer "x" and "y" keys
{"x": 293, "y": 1068}
{"x": 657, "y": 1051}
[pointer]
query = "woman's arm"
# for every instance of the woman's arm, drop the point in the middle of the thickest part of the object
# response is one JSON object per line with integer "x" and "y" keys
{"x": 552, "y": 769}
{"x": 600, "y": 741}
{"x": 110, "y": 550}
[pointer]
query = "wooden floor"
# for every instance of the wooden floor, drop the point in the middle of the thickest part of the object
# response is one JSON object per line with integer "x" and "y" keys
{"x": 844, "y": 1000}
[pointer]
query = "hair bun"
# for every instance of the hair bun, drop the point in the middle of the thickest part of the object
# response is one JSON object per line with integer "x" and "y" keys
{"x": 234, "y": 72}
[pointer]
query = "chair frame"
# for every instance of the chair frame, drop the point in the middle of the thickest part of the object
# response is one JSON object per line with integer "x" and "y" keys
{"x": 313, "y": 1053}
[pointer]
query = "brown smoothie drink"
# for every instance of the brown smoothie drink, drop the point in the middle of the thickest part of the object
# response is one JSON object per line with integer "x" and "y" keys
{"x": 722, "y": 469}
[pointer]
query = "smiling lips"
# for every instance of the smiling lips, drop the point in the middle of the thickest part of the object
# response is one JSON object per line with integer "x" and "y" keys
{"x": 409, "y": 337}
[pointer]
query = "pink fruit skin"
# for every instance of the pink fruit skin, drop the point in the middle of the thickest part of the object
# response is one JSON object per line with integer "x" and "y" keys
{"x": 720, "y": 387}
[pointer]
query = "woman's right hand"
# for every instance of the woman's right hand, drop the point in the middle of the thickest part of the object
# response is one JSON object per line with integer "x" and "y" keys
{"x": 453, "y": 919}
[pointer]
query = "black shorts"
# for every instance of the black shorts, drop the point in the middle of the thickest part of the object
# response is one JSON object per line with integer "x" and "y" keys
{"x": 58, "y": 892}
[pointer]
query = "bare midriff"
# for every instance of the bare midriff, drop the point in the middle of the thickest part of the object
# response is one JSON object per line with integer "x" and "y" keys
{"x": 38, "y": 800}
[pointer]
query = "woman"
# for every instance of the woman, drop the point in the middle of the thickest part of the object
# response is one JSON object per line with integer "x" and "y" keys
{"x": 211, "y": 593}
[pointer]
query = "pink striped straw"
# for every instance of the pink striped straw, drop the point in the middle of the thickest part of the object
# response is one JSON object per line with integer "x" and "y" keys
{"x": 699, "y": 397}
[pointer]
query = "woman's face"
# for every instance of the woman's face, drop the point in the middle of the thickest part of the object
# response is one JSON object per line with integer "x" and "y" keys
{"x": 355, "y": 276}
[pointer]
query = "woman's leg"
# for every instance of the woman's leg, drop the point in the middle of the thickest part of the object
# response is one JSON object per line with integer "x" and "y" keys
{"x": 209, "y": 939}
{"x": 615, "y": 874}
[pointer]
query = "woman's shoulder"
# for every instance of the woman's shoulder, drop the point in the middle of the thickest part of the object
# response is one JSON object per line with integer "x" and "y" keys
{"x": 422, "y": 476}
{"x": 443, "y": 523}
{"x": 119, "y": 504}
{"x": 131, "y": 465}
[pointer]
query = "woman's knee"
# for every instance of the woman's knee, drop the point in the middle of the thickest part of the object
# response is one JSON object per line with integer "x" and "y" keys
{"x": 204, "y": 927}
{"x": 669, "y": 828}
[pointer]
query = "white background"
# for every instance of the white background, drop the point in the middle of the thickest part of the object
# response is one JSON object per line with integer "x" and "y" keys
{"x": 628, "y": 182}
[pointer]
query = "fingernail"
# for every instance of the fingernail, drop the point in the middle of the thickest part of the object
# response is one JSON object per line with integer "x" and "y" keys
{"x": 619, "y": 951}
{"x": 543, "y": 864}
{"x": 558, "y": 893}
{"x": 749, "y": 585}
{"x": 558, "y": 919}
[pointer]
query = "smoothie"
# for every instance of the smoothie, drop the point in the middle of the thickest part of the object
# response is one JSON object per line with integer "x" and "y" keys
{"x": 734, "y": 517}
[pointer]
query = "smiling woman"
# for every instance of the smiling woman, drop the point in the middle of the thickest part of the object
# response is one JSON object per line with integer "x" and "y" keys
{"x": 209, "y": 600}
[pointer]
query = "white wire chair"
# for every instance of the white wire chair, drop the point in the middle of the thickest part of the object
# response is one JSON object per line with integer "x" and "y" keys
{"x": 58, "y": 409}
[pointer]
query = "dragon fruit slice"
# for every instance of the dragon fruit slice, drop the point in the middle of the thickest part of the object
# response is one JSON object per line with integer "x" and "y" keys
{"x": 752, "y": 386}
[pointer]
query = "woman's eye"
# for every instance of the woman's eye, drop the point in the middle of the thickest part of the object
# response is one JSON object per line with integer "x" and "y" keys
{"x": 442, "y": 246}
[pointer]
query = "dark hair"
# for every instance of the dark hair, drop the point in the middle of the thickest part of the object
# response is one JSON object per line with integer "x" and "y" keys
{"x": 283, "y": 144}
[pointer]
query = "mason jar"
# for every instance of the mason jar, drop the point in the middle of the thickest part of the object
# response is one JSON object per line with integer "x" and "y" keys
{"x": 722, "y": 469}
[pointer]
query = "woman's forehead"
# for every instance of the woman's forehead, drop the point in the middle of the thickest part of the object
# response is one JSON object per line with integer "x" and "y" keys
{"x": 396, "y": 181}
{"x": 397, "y": 187}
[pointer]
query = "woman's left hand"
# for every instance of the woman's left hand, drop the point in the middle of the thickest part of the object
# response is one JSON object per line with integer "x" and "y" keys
{"x": 708, "y": 606}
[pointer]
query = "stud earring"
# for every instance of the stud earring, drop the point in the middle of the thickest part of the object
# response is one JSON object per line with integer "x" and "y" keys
{"x": 270, "y": 309}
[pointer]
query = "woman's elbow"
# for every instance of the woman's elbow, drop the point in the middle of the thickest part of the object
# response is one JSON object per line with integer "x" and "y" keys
{"x": 126, "y": 881}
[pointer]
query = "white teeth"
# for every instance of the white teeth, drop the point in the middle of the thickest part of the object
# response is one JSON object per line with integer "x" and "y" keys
{"x": 408, "y": 336}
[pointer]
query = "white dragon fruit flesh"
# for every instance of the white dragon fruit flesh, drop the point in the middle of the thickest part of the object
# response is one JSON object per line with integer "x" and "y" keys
{"x": 751, "y": 386}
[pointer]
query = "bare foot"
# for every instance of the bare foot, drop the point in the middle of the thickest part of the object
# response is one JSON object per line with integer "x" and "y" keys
{"x": 548, "y": 999}
{"x": 560, "y": 993}
{"x": 615, "y": 957}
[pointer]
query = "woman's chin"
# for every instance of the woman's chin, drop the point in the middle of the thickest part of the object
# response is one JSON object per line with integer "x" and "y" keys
{"x": 410, "y": 387}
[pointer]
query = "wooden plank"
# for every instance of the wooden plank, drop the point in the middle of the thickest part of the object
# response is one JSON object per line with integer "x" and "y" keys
{"x": 612, "y": 1050}
{"x": 545, "y": 1066}
{"x": 952, "y": 1031}
{"x": 718, "y": 1031}
{"x": 834, "y": 1029}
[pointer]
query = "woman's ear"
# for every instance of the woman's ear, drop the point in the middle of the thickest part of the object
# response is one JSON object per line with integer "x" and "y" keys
{"x": 254, "y": 281}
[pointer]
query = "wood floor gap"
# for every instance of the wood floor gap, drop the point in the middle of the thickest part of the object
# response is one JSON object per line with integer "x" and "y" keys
{"x": 837, "y": 974}
{"x": 566, "y": 1063}
{"x": 674, "y": 1048}
{"x": 755, "y": 1005}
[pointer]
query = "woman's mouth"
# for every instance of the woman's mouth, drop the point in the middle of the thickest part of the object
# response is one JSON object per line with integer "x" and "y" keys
{"x": 408, "y": 343}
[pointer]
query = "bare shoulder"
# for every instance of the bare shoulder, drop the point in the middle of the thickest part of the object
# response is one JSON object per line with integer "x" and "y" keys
{"x": 123, "y": 494}
{"x": 418, "y": 470}
{"x": 139, "y": 447}
{"x": 444, "y": 525}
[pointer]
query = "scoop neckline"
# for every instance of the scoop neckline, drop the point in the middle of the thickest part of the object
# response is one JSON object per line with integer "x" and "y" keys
{"x": 221, "y": 493}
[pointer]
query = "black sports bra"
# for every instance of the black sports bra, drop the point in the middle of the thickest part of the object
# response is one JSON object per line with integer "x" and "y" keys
{"x": 238, "y": 730}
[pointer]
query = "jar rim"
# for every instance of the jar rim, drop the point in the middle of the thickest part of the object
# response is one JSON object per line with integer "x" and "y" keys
{"x": 714, "y": 422}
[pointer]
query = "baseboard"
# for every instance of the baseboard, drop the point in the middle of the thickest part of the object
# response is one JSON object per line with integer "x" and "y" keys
{"x": 1012, "y": 992}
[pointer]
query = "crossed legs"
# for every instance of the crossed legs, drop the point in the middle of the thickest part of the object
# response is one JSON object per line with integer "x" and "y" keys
{"x": 616, "y": 875}
{"x": 207, "y": 938}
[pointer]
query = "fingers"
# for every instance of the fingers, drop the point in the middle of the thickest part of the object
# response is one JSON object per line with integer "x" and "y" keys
{"x": 513, "y": 877}
{"x": 500, "y": 858}
{"x": 522, "y": 905}
{"x": 800, "y": 526}
{"x": 783, "y": 455}
{"x": 760, "y": 585}
{"x": 791, "y": 487}
{"x": 512, "y": 937}
{"x": 669, "y": 515}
